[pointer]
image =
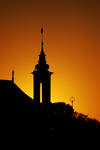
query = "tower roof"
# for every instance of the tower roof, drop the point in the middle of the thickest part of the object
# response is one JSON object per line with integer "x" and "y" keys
{"x": 42, "y": 65}
{"x": 42, "y": 55}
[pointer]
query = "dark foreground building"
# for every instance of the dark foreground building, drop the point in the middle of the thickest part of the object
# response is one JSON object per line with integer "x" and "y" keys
{"x": 10, "y": 93}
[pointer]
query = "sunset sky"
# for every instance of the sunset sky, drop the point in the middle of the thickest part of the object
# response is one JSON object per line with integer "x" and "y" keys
{"x": 71, "y": 44}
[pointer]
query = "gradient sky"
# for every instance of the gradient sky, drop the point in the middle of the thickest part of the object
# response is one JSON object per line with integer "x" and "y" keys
{"x": 71, "y": 43}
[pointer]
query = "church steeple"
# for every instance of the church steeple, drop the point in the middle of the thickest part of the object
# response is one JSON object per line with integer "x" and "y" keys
{"x": 42, "y": 76}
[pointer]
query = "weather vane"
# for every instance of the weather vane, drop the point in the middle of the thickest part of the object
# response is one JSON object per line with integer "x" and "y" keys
{"x": 42, "y": 30}
{"x": 42, "y": 34}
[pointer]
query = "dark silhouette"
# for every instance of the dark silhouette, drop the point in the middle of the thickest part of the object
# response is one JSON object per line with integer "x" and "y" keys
{"x": 42, "y": 76}
{"x": 28, "y": 119}
{"x": 13, "y": 76}
{"x": 10, "y": 93}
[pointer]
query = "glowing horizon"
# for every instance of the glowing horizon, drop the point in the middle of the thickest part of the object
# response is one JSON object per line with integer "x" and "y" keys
{"x": 71, "y": 44}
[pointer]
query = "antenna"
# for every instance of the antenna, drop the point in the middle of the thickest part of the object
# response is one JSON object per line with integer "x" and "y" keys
{"x": 13, "y": 76}
{"x": 72, "y": 100}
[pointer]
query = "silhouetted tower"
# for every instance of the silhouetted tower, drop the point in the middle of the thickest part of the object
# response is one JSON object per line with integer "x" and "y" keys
{"x": 13, "y": 76}
{"x": 42, "y": 76}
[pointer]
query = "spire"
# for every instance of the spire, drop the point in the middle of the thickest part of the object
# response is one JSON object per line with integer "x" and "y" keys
{"x": 42, "y": 38}
{"x": 42, "y": 54}
{"x": 42, "y": 35}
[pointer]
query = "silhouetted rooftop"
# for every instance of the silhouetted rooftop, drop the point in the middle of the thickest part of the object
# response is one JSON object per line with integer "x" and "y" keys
{"x": 11, "y": 93}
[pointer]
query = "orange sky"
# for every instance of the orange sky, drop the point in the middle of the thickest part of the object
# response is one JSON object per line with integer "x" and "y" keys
{"x": 72, "y": 46}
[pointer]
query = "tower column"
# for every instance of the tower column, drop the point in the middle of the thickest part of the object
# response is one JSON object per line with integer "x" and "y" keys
{"x": 36, "y": 88}
{"x": 46, "y": 89}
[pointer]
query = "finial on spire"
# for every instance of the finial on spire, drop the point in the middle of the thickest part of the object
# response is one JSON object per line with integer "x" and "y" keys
{"x": 13, "y": 76}
{"x": 42, "y": 35}
{"x": 42, "y": 29}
